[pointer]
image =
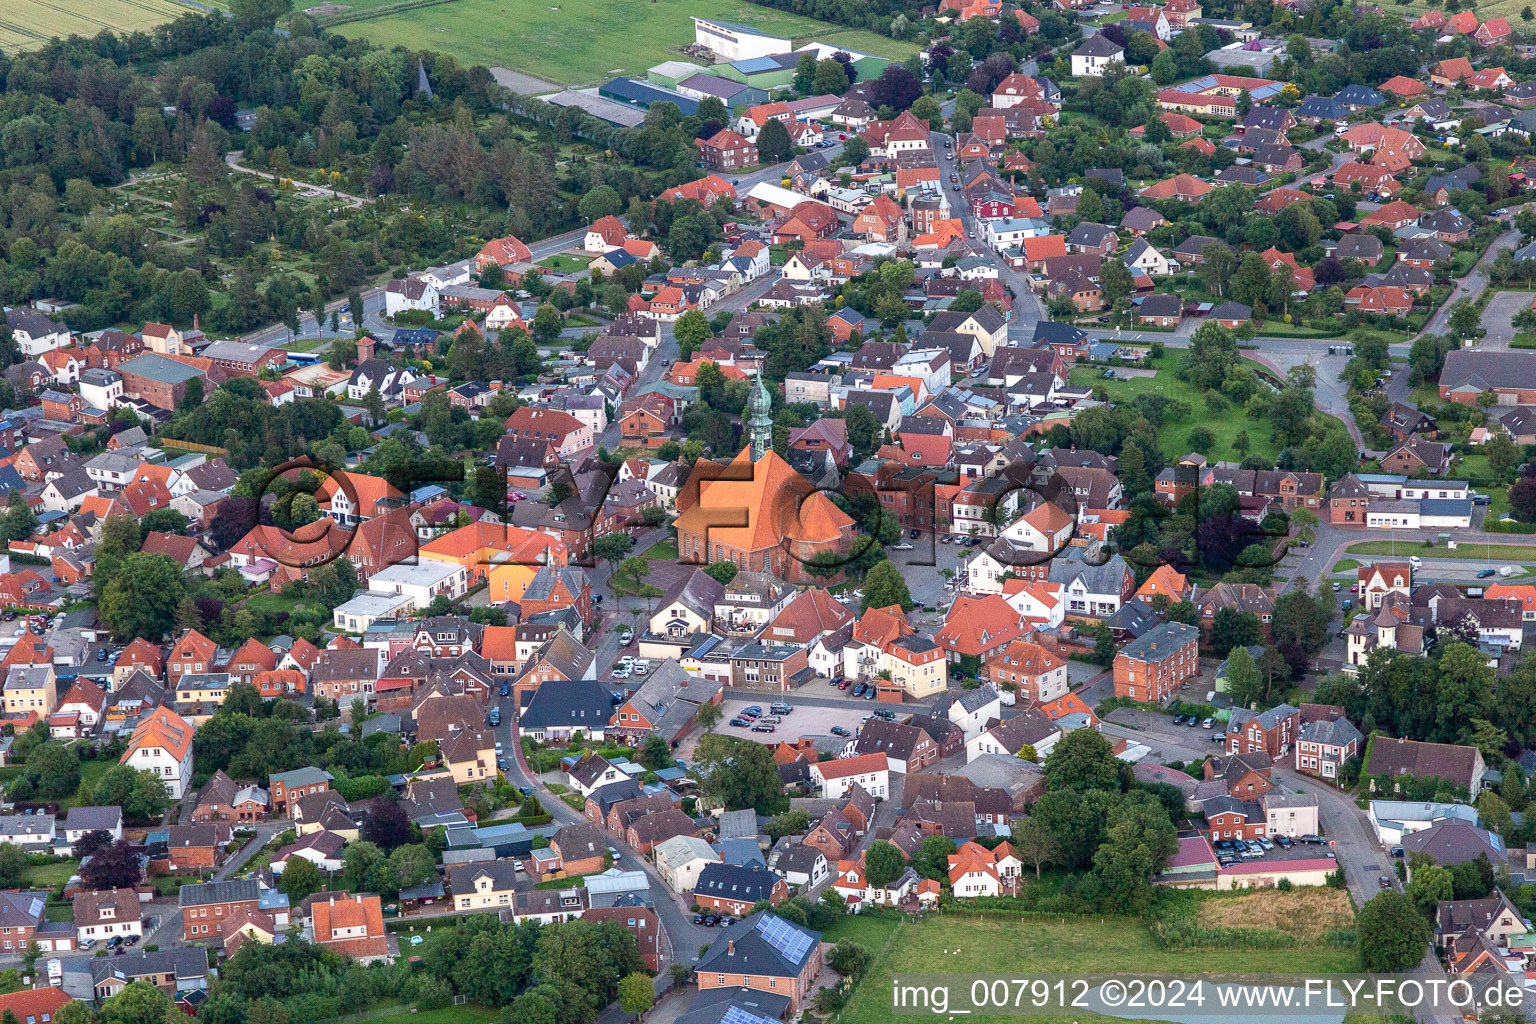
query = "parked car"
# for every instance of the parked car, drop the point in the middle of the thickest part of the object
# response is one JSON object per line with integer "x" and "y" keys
{"x": 869, "y": 694}
{"x": 1178, "y": 719}
{"x": 753, "y": 710}
{"x": 780, "y": 708}
{"x": 1484, "y": 573}
{"x": 763, "y": 727}
{"x": 1384, "y": 882}
{"x": 506, "y": 689}
{"x": 740, "y": 723}
{"x": 1265, "y": 842}
{"x": 1208, "y": 723}
{"x": 1284, "y": 842}
{"x": 858, "y": 691}
{"x": 838, "y": 730}
{"x": 1314, "y": 840}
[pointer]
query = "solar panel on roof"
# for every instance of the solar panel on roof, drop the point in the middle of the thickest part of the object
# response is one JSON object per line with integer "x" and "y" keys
{"x": 791, "y": 943}
{"x": 736, "y": 1015}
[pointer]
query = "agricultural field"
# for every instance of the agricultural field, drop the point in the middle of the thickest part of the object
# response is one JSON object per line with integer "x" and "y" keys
{"x": 588, "y": 41}
{"x": 1009, "y": 947}
{"x": 27, "y": 24}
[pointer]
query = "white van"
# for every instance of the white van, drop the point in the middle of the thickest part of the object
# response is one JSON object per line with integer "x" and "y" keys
{"x": 641, "y": 666}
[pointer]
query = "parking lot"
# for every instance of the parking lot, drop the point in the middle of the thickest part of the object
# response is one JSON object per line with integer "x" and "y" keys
{"x": 805, "y": 720}
{"x": 1297, "y": 851}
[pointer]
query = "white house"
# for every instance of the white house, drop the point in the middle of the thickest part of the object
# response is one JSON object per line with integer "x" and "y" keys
{"x": 107, "y": 914}
{"x": 162, "y": 743}
{"x": 93, "y": 819}
{"x": 410, "y": 293}
{"x": 592, "y": 772}
{"x": 680, "y": 859}
{"x": 1142, "y": 258}
{"x": 1044, "y": 529}
{"x": 422, "y": 582}
{"x": 1094, "y": 55}
{"x": 1030, "y": 728}
{"x": 34, "y": 333}
{"x": 1394, "y": 819}
{"x": 833, "y": 779}
{"x": 971, "y": 710}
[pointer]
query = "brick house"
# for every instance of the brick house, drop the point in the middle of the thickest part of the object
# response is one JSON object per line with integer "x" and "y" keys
{"x": 197, "y": 847}
{"x": 1243, "y": 776}
{"x": 833, "y": 836}
{"x": 764, "y": 953}
{"x": 1229, "y": 818}
{"x": 641, "y": 922}
{"x": 732, "y": 889}
{"x": 1271, "y": 732}
{"x": 207, "y": 908}
{"x": 1326, "y": 741}
{"x": 287, "y": 788}
{"x": 726, "y": 150}
{"x": 1383, "y": 578}
{"x": 658, "y": 827}
{"x": 581, "y": 849}
{"x": 1158, "y": 662}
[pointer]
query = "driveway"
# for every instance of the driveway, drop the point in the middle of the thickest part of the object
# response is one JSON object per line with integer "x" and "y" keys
{"x": 1498, "y": 316}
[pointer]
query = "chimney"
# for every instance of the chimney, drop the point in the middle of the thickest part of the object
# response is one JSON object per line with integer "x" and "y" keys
{"x": 730, "y": 947}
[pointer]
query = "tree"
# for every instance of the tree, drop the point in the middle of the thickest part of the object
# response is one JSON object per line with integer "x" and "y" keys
{"x": 613, "y": 548}
{"x": 90, "y": 842}
{"x": 830, "y": 80}
{"x": 1302, "y": 619}
{"x": 805, "y": 74}
{"x": 735, "y": 774}
{"x": 708, "y": 716}
{"x": 588, "y": 959}
{"x": 54, "y": 771}
{"x": 1393, "y": 935}
{"x": 636, "y": 992}
{"x": 112, "y": 867}
{"x": 1244, "y": 684}
{"x": 1136, "y": 846}
{"x": 691, "y": 330}
{"x": 790, "y": 823}
{"x": 773, "y": 142}
{"x": 140, "y": 600}
{"x": 654, "y": 753}
{"x": 1085, "y": 759}
{"x": 1232, "y": 628}
{"x": 884, "y": 585}
{"x": 1503, "y": 455}
{"x": 1464, "y": 321}
{"x": 300, "y": 877}
{"x": 598, "y": 203}
{"x": 855, "y": 151}
{"x": 13, "y": 865}
{"x": 139, "y": 1002}
{"x": 883, "y": 863}
{"x": 547, "y": 324}
{"x": 1035, "y": 845}
{"x": 412, "y": 864}
{"x": 1212, "y": 355}
{"x": 388, "y": 826}
{"x": 932, "y": 859}
{"x": 849, "y": 959}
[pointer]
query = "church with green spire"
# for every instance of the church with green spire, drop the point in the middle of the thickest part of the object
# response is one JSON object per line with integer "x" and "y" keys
{"x": 759, "y": 419}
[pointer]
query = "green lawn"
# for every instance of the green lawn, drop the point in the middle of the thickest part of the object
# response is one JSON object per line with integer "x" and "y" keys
{"x": 665, "y": 551}
{"x": 1033, "y": 946}
{"x": 270, "y": 602}
{"x": 46, "y": 876}
{"x": 1471, "y": 550}
{"x": 90, "y": 774}
{"x": 565, "y": 263}
{"x": 1224, "y": 425}
{"x": 590, "y": 40}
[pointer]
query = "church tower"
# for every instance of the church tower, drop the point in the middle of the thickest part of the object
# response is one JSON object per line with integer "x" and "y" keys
{"x": 760, "y": 419}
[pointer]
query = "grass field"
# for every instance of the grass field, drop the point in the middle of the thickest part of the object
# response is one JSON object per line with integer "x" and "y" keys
{"x": 1470, "y": 550}
{"x": 565, "y": 263}
{"x": 28, "y": 24}
{"x": 1017, "y": 947}
{"x": 587, "y": 41}
{"x": 1225, "y": 425}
